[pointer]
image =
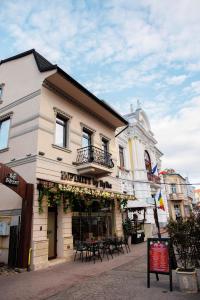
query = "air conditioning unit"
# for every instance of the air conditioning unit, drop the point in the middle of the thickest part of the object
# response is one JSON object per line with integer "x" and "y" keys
{"x": 4, "y": 229}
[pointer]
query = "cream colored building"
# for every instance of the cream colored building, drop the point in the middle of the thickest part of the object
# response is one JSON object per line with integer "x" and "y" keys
{"x": 56, "y": 135}
{"x": 196, "y": 201}
{"x": 178, "y": 198}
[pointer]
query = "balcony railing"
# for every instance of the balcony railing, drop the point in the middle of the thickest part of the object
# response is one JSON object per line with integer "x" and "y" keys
{"x": 176, "y": 196}
{"x": 153, "y": 178}
{"x": 93, "y": 154}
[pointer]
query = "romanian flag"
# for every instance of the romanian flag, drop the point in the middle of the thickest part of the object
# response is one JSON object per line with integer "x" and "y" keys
{"x": 161, "y": 202}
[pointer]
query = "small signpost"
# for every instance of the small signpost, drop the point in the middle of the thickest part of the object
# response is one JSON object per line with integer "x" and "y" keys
{"x": 11, "y": 179}
{"x": 158, "y": 258}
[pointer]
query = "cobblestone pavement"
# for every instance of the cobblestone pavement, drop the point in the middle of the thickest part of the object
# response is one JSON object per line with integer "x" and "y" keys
{"x": 6, "y": 271}
{"x": 123, "y": 277}
{"x": 125, "y": 282}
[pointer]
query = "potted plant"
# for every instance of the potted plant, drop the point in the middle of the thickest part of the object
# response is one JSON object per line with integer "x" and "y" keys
{"x": 184, "y": 235}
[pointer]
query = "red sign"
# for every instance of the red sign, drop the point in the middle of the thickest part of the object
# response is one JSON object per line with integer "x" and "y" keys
{"x": 159, "y": 256}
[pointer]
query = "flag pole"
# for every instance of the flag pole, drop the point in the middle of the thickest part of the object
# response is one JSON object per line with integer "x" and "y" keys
{"x": 155, "y": 210}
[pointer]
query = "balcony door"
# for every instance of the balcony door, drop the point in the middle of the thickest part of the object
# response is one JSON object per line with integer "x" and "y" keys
{"x": 86, "y": 138}
{"x": 86, "y": 143}
{"x": 105, "y": 154}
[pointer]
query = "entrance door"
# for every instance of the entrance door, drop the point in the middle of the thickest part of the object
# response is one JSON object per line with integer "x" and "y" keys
{"x": 52, "y": 232}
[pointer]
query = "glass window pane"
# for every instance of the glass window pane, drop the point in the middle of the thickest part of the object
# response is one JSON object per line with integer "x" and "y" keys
{"x": 104, "y": 145}
{"x": 121, "y": 157}
{"x": 86, "y": 139}
{"x": 4, "y": 132}
{"x": 61, "y": 132}
{"x": 59, "y": 135}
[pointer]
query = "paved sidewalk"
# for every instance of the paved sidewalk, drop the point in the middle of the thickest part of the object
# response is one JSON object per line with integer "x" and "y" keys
{"x": 123, "y": 277}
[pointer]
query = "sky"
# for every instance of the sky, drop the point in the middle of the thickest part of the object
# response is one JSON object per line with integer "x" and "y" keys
{"x": 123, "y": 51}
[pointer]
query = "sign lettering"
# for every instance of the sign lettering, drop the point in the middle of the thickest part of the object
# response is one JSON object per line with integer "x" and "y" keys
{"x": 85, "y": 180}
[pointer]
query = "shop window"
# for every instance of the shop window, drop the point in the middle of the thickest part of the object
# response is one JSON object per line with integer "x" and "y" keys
{"x": 121, "y": 157}
{"x": 4, "y": 133}
{"x": 61, "y": 136}
{"x": 147, "y": 161}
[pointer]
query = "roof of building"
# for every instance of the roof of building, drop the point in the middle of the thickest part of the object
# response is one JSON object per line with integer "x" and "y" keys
{"x": 44, "y": 65}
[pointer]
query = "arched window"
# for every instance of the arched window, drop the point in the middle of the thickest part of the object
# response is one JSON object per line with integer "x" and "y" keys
{"x": 147, "y": 161}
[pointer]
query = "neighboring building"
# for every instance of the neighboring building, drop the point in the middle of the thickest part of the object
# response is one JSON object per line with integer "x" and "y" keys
{"x": 190, "y": 193}
{"x": 61, "y": 138}
{"x": 197, "y": 197}
{"x": 178, "y": 196}
{"x": 137, "y": 157}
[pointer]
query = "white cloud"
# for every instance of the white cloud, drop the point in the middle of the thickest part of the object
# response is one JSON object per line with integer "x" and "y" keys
{"x": 178, "y": 138}
{"x": 193, "y": 88}
{"x": 176, "y": 80}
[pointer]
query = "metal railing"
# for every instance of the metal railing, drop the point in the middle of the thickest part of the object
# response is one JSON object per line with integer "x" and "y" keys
{"x": 93, "y": 154}
{"x": 176, "y": 196}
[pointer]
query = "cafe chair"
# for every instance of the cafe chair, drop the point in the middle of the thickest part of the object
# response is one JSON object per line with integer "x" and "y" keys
{"x": 125, "y": 243}
{"x": 81, "y": 249}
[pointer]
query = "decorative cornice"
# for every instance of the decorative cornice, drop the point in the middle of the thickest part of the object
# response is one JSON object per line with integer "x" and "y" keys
{"x": 62, "y": 113}
{"x": 83, "y": 125}
{"x": 22, "y": 161}
{"x": 8, "y": 115}
{"x": 102, "y": 136}
{"x": 20, "y": 101}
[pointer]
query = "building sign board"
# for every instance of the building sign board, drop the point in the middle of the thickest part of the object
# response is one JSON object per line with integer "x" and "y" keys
{"x": 85, "y": 180}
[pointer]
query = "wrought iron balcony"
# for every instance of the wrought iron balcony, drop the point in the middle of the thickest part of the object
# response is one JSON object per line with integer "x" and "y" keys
{"x": 94, "y": 155}
{"x": 153, "y": 178}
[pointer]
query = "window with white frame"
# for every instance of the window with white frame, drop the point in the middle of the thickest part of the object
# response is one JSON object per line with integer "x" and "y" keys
{"x": 4, "y": 132}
